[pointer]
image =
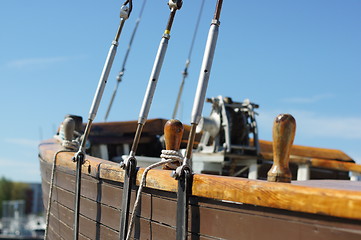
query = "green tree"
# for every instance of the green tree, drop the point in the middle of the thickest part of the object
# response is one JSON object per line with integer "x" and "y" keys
{"x": 18, "y": 190}
{"x": 11, "y": 191}
{"x": 5, "y": 191}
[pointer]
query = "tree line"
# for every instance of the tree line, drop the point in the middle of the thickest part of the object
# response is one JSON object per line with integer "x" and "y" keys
{"x": 10, "y": 190}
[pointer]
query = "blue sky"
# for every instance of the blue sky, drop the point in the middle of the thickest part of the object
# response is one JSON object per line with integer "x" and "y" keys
{"x": 298, "y": 57}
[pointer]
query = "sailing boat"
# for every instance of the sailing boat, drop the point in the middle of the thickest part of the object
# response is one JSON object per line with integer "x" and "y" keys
{"x": 90, "y": 197}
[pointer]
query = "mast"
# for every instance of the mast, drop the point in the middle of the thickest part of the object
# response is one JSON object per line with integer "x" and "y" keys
{"x": 121, "y": 73}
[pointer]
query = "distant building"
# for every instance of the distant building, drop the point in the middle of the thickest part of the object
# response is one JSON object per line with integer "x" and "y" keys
{"x": 24, "y": 217}
{"x": 13, "y": 218}
{"x": 34, "y": 202}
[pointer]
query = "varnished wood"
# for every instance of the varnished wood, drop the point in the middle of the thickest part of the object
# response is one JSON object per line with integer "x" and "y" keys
{"x": 284, "y": 129}
{"x": 343, "y": 166}
{"x": 320, "y": 163}
{"x": 331, "y": 202}
{"x": 173, "y": 132}
{"x": 305, "y": 152}
{"x": 209, "y": 218}
{"x": 123, "y": 132}
{"x": 48, "y": 149}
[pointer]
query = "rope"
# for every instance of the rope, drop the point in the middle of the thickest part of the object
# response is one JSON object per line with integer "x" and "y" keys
{"x": 172, "y": 154}
{"x": 72, "y": 145}
{"x": 69, "y": 146}
{"x": 168, "y": 157}
{"x": 51, "y": 190}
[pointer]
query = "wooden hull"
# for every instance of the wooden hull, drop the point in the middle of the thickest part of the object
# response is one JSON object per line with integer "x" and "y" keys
{"x": 220, "y": 207}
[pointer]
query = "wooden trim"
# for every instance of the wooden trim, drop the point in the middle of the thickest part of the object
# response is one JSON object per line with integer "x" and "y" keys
{"x": 123, "y": 132}
{"x": 209, "y": 219}
{"x": 331, "y": 202}
{"x": 309, "y": 152}
{"x": 320, "y": 163}
{"x": 342, "y": 166}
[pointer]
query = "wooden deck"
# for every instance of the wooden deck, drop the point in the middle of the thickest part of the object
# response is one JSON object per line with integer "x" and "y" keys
{"x": 220, "y": 207}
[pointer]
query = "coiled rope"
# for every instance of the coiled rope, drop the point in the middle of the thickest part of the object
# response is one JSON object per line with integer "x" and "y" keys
{"x": 169, "y": 157}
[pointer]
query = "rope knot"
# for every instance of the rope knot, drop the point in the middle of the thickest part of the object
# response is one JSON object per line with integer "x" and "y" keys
{"x": 71, "y": 145}
{"x": 172, "y": 158}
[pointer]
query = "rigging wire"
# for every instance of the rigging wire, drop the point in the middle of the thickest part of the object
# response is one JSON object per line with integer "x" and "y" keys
{"x": 184, "y": 172}
{"x": 129, "y": 164}
{"x": 188, "y": 61}
{"x": 79, "y": 157}
{"x": 121, "y": 73}
{"x": 196, "y": 29}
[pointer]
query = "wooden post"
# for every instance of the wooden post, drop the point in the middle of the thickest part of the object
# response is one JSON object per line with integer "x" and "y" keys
{"x": 173, "y": 132}
{"x": 68, "y": 128}
{"x": 284, "y": 128}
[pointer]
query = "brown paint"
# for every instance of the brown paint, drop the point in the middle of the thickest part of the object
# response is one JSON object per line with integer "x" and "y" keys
{"x": 339, "y": 203}
{"x": 209, "y": 219}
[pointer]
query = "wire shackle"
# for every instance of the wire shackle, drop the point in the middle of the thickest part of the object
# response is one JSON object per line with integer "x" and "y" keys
{"x": 126, "y": 10}
{"x": 175, "y": 4}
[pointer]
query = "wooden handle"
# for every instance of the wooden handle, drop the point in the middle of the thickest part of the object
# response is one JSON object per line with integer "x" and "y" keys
{"x": 173, "y": 132}
{"x": 284, "y": 129}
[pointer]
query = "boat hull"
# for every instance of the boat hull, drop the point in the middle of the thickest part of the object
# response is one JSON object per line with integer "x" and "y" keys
{"x": 101, "y": 192}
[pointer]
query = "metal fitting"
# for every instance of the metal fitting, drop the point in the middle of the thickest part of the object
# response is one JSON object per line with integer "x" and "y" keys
{"x": 179, "y": 172}
{"x": 115, "y": 43}
{"x": 215, "y": 22}
{"x": 187, "y": 63}
{"x": 175, "y": 4}
{"x": 166, "y": 35}
{"x": 124, "y": 12}
{"x": 120, "y": 75}
{"x": 125, "y": 164}
{"x": 79, "y": 157}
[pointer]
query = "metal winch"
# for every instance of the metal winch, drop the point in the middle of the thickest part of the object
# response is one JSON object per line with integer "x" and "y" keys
{"x": 231, "y": 131}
